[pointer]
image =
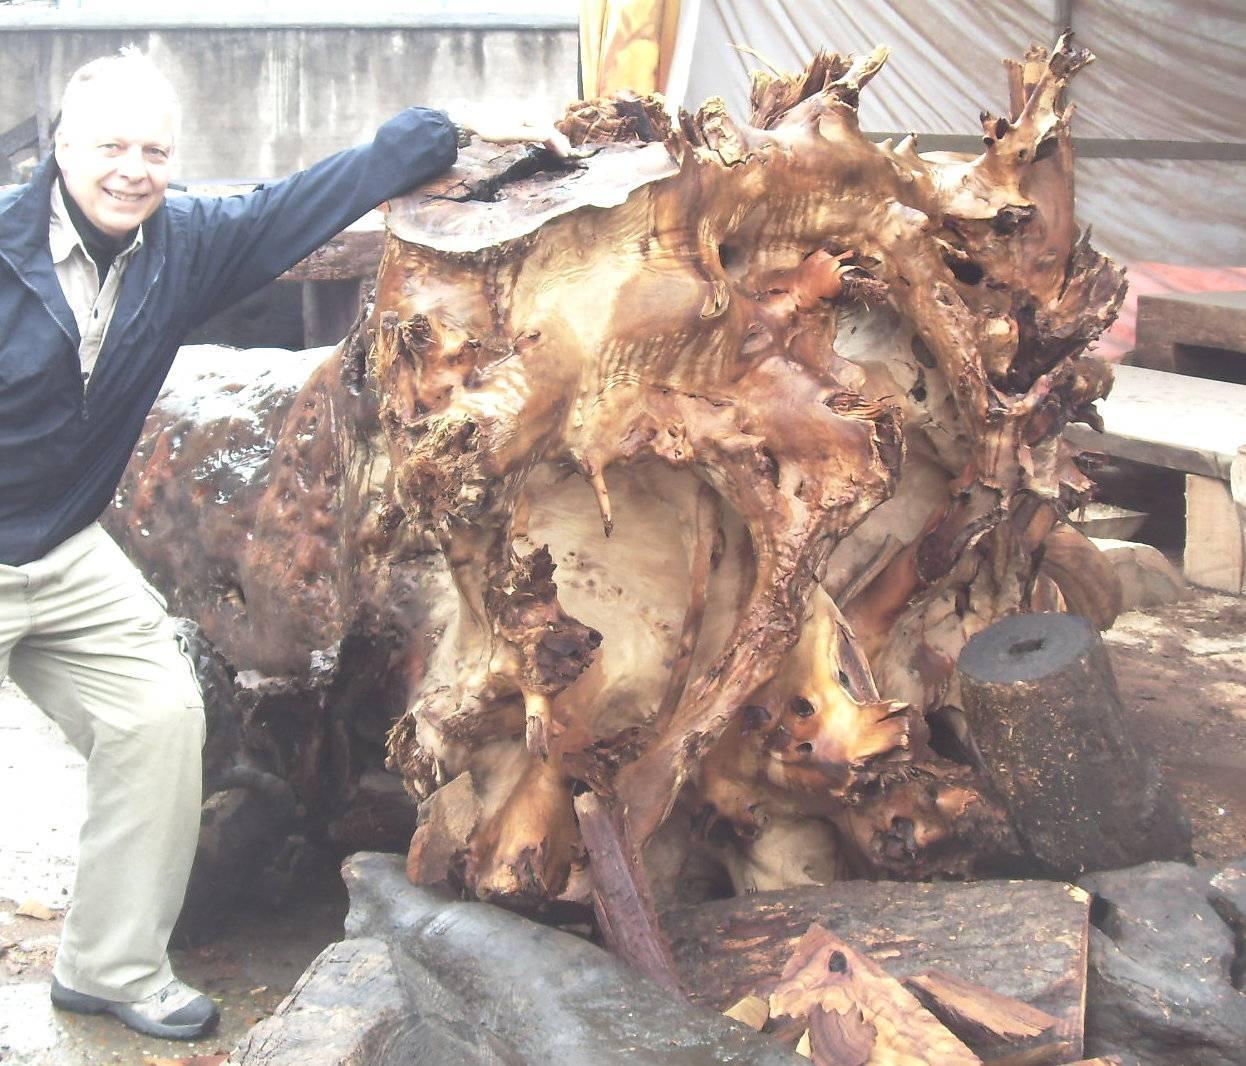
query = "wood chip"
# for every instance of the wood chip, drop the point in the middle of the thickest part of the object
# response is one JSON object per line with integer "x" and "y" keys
{"x": 804, "y": 1047}
{"x": 840, "y": 1039}
{"x": 982, "y": 1018}
{"x": 194, "y": 1060}
{"x": 751, "y": 1011}
{"x": 32, "y": 908}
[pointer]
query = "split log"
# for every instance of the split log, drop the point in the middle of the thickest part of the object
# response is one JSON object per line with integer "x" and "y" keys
{"x": 996, "y": 1028}
{"x": 1045, "y": 713}
{"x": 856, "y": 1012}
{"x": 1026, "y": 940}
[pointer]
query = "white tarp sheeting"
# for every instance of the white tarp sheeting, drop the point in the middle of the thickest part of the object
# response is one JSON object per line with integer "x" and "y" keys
{"x": 1169, "y": 83}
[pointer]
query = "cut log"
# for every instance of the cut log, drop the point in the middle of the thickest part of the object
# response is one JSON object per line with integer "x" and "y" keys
{"x": 1027, "y": 940}
{"x": 1044, "y": 711}
{"x": 836, "y": 988}
{"x": 993, "y": 1026}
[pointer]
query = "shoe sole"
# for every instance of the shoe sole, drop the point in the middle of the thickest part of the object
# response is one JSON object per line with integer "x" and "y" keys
{"x": 168, "y": 1032}
{"x": 81, "y": 1003}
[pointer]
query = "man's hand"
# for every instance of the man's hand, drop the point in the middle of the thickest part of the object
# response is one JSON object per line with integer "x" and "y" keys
{"x": 503, "y": 131}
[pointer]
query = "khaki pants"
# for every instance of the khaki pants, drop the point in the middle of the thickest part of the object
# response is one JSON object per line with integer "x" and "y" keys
{"x": 88, "y": 640}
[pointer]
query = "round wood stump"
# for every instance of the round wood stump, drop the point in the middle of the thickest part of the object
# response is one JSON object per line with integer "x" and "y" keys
{"x": 1042, "y": 702}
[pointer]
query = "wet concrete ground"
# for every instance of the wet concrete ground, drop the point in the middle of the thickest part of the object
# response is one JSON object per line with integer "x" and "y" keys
{"x": 1182, "y": 674}
{"x": 251, "y": 963}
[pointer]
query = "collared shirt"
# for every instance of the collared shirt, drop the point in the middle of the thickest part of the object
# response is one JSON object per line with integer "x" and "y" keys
{"x": 92, "y": 304}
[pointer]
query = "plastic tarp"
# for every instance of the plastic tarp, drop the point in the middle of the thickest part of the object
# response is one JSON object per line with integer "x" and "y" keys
{"x": 1161, "y": 119}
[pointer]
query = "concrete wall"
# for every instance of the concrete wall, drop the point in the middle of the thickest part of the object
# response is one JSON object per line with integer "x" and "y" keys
{"x": 261, "y": 100}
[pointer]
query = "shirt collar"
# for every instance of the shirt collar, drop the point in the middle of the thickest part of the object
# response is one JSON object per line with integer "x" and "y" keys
{"x": 63, "y": 238}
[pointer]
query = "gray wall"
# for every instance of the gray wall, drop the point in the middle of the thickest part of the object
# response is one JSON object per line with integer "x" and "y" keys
{"x": 261, "y": 100}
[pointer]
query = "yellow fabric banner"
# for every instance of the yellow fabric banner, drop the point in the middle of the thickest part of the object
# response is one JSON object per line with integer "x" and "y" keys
{"x": 626, "y": 44}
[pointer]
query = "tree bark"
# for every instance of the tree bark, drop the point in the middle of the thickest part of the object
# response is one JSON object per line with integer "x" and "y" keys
{"x": 1043, "y": 706}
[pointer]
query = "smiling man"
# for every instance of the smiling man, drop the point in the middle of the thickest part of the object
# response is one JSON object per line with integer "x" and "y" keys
{"x": 100, "y": 279}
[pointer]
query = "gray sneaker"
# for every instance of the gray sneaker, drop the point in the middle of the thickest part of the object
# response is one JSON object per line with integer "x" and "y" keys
{"x": 176, "y": 1012}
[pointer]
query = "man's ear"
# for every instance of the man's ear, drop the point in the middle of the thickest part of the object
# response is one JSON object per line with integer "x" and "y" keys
{"x": 59, "y": 145}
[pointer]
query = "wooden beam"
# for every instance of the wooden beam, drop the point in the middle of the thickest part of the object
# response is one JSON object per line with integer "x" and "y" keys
{"x": 1215, "y": 536}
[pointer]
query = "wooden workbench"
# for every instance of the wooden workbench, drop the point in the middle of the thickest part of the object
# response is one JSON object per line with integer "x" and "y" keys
{"x": 1196, "y": 426}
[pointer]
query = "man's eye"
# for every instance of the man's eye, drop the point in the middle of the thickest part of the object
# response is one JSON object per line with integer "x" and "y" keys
{"x": 158, "y": 155}
{"x": 110, "y": 147}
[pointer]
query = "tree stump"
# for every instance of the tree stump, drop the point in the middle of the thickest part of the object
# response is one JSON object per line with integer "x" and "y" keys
{"x": 1045, "y": 713}
{"x": 678, "y": 473}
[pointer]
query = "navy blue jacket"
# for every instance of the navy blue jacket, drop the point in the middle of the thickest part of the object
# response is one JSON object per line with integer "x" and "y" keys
{"x": 62, "y": 448}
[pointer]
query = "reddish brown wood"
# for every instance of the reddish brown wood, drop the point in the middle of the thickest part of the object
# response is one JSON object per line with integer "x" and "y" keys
{"x": 622, "y": 899}
{"x": 993, "y": 1025}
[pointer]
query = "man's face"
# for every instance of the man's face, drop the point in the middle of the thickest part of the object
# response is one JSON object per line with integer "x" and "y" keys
{"x": 115, "y": 153}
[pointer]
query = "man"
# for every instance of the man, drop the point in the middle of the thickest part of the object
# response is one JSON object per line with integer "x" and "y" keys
{"x": 100, "y": 279}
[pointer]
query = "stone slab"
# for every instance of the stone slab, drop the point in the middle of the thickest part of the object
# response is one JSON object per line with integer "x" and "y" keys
{"x": 1147, "y": 578}
{"x": 1194, "y": 425}
{"x": 1163, "y": 955}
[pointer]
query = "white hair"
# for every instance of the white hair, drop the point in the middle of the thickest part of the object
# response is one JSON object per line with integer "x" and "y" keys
{"x": 130, "y": 70}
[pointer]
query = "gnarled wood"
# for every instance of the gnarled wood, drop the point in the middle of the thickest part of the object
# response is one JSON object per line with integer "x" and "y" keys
{"x": 674, "y": 311}
{"x": 680, "y": 473}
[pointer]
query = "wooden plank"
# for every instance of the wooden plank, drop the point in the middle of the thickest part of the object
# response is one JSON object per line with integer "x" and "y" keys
{"x": 354, "y": 253}
{"x": 1215, "y": 536}
{"x": 1024, "y": 939}
{"x": 621, "y": 896}
{"x": 1167, "y": 323}
{"x": 351, "y": 255}
{"x": 1195, "y": 425}
{"x": 24, "y": 135}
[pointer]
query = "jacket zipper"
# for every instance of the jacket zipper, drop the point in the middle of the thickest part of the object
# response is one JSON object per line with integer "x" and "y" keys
{"x": 52, "y": 315}
{"x": 39, "y": 296}
{"x": 89, "y": 387}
